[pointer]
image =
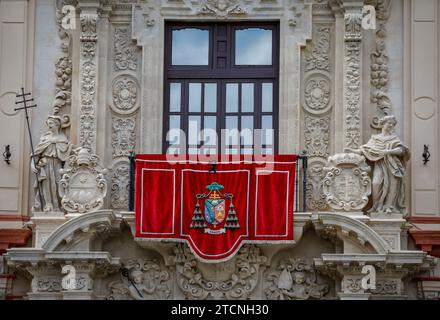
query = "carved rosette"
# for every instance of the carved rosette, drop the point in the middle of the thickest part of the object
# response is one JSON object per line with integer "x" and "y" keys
{"x": 88, "y": 79}
{"x": 120, "y": 186}
{"x": 149, "y": 280}
{"x": 244, "y": 272}
{"x": 222, "y": 8}
{"x": 83, "y": 186}
{"x": 125, "y": 93}
{"x": 347, "y": 184}
{"x": 295, "y": 279}
{"x": 317, "y": 94}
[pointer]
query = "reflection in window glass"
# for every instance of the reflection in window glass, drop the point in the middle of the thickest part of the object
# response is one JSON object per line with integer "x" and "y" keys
{"x": 247, "y": 97}
{"x": 253, "y": 46}
{"x": 195, "y": 97}
{"x": 190, "y": 47}
{"x": 211, "y": 97}
{"x": 175, "y": 97}
{"x": 232, "y": 97}
{"x": 267, "y": 97}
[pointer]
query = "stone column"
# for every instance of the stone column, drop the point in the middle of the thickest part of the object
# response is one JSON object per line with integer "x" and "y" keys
{"x": 352, "y": 86}
{"x": 88, "y": 77}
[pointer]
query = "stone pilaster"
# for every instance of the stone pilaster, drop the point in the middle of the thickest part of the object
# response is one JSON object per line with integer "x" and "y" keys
{"x": 352, "y": 84}
{"x": 88, "y": 78}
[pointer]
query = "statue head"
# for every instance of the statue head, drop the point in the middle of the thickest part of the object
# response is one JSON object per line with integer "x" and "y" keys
{"x": 299, "y": 277}
{"x": 53, "y": 123}
{"x": 388, "y": 124}
{"x": 137, "y": 276}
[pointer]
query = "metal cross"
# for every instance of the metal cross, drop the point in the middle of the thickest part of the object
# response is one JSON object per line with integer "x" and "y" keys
{"x": 25, "y": 107}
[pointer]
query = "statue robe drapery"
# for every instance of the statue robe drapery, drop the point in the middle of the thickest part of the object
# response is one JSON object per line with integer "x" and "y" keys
{"x": 392, "y": 171}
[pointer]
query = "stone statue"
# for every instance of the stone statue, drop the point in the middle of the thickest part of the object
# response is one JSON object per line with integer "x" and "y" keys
{"x": 389, "y": 156}
{"x": 50, "y": 154}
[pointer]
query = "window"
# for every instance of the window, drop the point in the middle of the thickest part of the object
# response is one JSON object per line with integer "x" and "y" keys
{"x": 221, "y": 84}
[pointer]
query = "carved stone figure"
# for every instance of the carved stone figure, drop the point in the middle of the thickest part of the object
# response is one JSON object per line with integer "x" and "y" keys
{"x": 295, "y": 279}
{"x": 50, "y": 154}
{"x": 389, "y": 156}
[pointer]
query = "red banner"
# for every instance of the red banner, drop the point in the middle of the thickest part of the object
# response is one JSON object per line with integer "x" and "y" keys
{"x": 215, "y": 207}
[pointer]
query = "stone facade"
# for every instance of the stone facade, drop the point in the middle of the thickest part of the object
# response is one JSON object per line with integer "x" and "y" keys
{"x": 103, "y": 80}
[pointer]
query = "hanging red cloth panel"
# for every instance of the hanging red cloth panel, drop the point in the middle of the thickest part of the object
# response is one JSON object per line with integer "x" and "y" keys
{"x": 215, "y": 206}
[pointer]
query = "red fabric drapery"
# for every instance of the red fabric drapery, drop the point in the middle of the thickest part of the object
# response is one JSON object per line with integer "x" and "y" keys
{"x": 245, "y": 200}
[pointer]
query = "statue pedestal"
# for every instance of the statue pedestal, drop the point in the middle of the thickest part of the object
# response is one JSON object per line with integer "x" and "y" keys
{"x": 390, "y": 226}
{"x": 44, "y": 224}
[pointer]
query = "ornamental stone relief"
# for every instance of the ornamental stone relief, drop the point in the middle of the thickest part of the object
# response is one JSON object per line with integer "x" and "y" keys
{"x": 316, "y": 200}
{"x": 125, "y": 91}
{"x": 125, "y": 53}
{"x": 347, "y": 184}
{"x": 317, "y": 136}
{"x": 317, "y": 55}
{"x": 141, "y": 279}
{"x": 83, "y": 186}
{"x": 120, "y": 185}
{"x": 240, "y": 280}
{"x": 123, "y": 137}
{"x": 317, "y": 94}
{"x": 295, "y": 279}
{"x": 222, "y": 8}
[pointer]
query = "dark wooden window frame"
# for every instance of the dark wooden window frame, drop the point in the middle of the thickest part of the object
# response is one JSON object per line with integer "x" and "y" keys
{"x": 256, "y": 74}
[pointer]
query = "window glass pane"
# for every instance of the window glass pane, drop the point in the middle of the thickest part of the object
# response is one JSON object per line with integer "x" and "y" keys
{"x": 211, "y": 97}
{"x": 247, "y": 130}
{"x": 210, "y": 130}
{"x": 253, "y": 46}
{"x": 247, "y": 97}
{"x": 195, "y": 97}
{"x": 232, "y": 97}
{"x": 174, "y": 133}
{"x": 175, "y": 97}
{"x": 267, "y": 132}
{"x": 193, "y": 130}
{"x": 267, "y": 97}
{"x": 231, "y": 137}
{"x": 190, "y": 47}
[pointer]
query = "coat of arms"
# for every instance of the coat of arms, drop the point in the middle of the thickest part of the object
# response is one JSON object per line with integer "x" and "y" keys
{"x": 214, "y": 219}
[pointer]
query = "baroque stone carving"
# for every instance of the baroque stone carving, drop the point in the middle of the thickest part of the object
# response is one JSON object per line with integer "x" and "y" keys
{"x": 125, "y": 53}
{"x": 144, "y": 280}
{"x": 389, "y": 156}
{"x": 222, "y": 8}
{"x": 244, "y": 272}
{"x": 347, "y": 184}
{"x": 125, "y": 94}
{"x": 120, "y": 185}
{"x": 63, "y": 71}
{"x": 46, "y": 284}
{"x": 316, "y": 200}
{"x": 353, "y": 27}
{"x": 386, "y": 287}
{"x": 379, "y": 65}
{"x": 317, "y": 135}
{"x": 123, "y": 137}
{"x": 352, "y": 94}
{"x": 295, "y": 279}
{"x": 83, "y": 186}
{"x": 88, "y": 81}
{"x": 317, "y": 55}
{"x": 51, "y": 152}
{"x": 317, "y": 94}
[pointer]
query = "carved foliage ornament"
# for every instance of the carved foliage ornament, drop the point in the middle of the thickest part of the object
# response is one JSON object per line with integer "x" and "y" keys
{"x": 83, "y": 186}
{"x": 222, "y": 8}
{"x": 147, "y": 280}
{"x": 316, "y": 199}
{"x": 243, "y": 277}
{"x": 317, "y": 54}
{"x": 347, "y": 184}
{"x": 317, "y": 136}
{"x": 295, "y": 279}
{"x": 120, "y": 185}
{"x": 125, "y": 53}
{"x": 317, "y": 94}
{"x": 123, "y": 137}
